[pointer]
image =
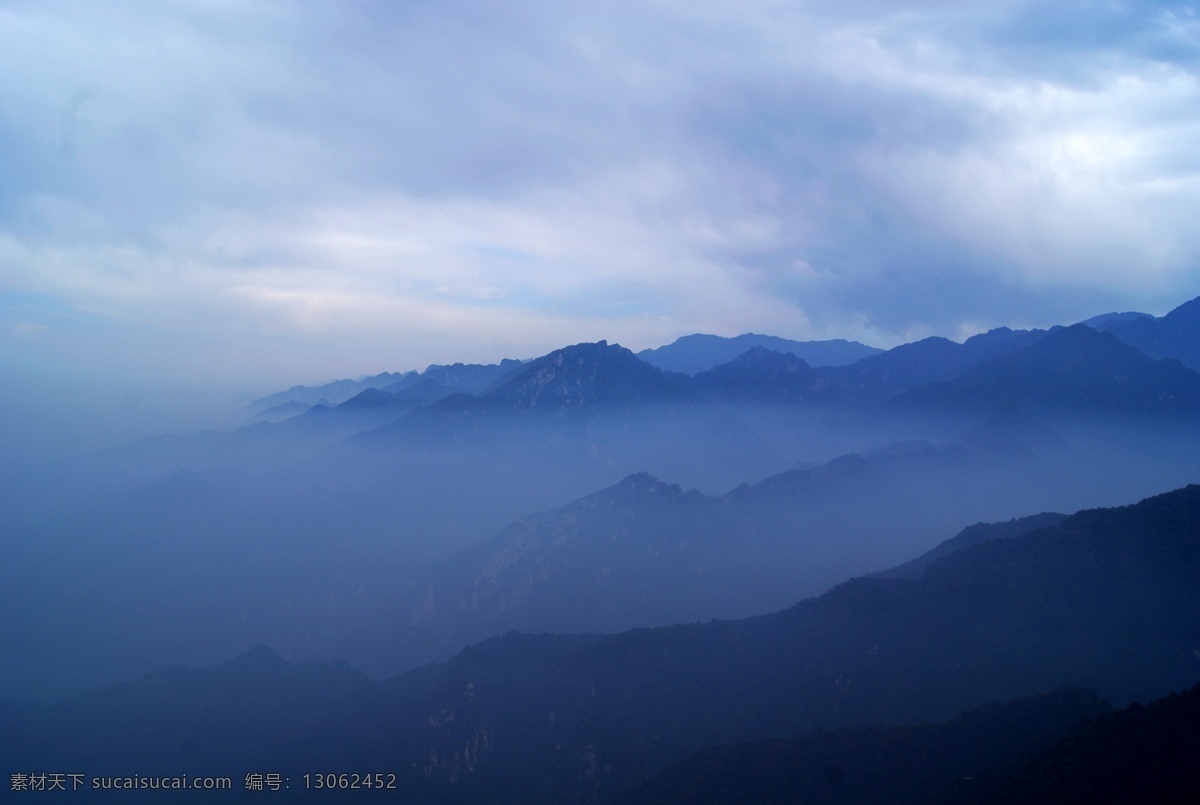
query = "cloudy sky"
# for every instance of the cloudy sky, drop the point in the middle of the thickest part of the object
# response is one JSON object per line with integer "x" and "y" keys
{"x": 276, "y": 193}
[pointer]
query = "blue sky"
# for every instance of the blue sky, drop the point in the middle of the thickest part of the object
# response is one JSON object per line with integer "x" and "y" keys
{"x": 274, "y": 193}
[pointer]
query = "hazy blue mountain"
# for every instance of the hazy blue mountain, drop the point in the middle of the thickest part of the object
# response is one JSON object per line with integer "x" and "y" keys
{"x": 647, "y": 553}
{"x": 1102, "y": 321}
{"x": 697, "y": 353}
{"x": 927, "y": 361}
{"x": 285, "y": 410}
{"x": 330, "y": 393}
{"x": 811, "y": 414}
{"x": 1106, "y": 600}
{"x": 469, "y": 378}
{"x": 371, "y": 408}
{"x": 761, "y": 375}
{"x": 639, "y": 553}
{"x": 472, "y": 378}
{"x": 1175, "y": 335}
{"x": 1006, "y": 430}
{"x": 586, "y": 375}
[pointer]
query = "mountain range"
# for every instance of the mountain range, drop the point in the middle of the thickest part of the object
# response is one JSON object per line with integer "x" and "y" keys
{"x": 561, "y": 578}
{"x": 389, "y": 508}
{"x": 566, "y": 718}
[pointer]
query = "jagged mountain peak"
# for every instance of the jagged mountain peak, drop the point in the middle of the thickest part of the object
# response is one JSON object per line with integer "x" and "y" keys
{"x": 584, "y": 374}
{"x": 640, "y": 485}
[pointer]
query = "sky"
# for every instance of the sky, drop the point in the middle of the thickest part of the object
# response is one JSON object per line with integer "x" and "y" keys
{"x": 254, "y": 195}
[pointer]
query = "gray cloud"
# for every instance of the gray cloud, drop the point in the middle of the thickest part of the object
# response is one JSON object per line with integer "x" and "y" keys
{"x": 304, "y": 189}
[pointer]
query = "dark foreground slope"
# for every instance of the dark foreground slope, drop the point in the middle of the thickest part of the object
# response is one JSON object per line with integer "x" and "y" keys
{"x": 1141, "y": 754}
{"x": 1108, "y": 600}
{"x": 908, "y": 764}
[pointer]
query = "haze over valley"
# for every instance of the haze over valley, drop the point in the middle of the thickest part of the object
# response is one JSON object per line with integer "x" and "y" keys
{"x": 624, "y": 402}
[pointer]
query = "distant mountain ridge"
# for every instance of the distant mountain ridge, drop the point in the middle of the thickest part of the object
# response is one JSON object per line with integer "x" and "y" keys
{"x": 690, "y": 354}
{"x": 1075, "y": 369}
{"x": 332, "y": 393}
{"x": 596, "y": 405}
{"x": 1175, "y": 335}
{"x": 471, "y": 378}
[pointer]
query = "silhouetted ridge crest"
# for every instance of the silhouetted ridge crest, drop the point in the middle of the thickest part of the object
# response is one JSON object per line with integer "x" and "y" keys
{"x": 696, "y": 353}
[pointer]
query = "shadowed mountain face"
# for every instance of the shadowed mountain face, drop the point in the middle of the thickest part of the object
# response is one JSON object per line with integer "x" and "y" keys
{"x": 566, "y": 718}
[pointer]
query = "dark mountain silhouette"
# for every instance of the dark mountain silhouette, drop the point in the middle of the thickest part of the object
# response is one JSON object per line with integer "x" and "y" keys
{"x": 908, "y": 764}
{"x": 1175, "y": 335}
{"x": 697, "y": 353}
{"x": 1085, "y": 603}
{"x": 1141, "y": 754}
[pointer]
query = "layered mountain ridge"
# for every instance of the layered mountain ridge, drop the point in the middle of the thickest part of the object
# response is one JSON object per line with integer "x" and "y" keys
{"x": 567, "y": 718}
